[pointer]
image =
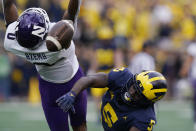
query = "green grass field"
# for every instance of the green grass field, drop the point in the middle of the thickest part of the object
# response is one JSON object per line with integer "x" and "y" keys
{"x": 172, "y": 116}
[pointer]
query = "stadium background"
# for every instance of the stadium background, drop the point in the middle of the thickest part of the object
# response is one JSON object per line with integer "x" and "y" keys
{"x": 127, "y": 23}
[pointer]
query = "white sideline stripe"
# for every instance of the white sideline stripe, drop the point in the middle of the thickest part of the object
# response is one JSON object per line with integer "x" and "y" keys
{"x": 55, "y": 41}
{"x": 70, "y": 23}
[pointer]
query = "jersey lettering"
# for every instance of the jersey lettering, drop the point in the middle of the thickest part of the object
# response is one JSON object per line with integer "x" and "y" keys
{"x": 38, "y": 56}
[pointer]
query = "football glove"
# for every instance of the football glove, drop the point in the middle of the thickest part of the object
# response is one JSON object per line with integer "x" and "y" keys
{"x": 66, "y": 102}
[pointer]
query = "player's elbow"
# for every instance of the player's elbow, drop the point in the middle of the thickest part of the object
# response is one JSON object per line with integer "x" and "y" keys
{"x": 88, "y": 81}
{"x": 98, "y": 80}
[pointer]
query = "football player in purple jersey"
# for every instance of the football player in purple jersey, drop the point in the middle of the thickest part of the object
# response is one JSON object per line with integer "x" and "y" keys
{"x": 26, "y": 37}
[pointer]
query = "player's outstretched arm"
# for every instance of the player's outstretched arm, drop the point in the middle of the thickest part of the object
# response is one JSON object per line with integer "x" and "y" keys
{"x": 10, "y": 11}
{"x": 98, "y": 80}
{"x": 66, "y": 102}
{"x": 73, "y": 10}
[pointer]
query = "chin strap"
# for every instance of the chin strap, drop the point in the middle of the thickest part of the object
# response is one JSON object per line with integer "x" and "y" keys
{"x": 128, "y": 100}
{"x": 125, "y": 96}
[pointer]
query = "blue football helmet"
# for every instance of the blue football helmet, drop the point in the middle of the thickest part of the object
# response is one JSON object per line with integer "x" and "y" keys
{"x": 32, "y": 27}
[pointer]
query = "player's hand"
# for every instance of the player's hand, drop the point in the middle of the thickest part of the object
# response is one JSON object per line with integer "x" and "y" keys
{"x": 66, "y": 102}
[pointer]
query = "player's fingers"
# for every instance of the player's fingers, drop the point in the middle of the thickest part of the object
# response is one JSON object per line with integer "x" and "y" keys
{"x": 73, "y": 110}
{"x": 65, "y": 105}
{"x": 60, "y": 103}
{"x": 59, "y": 100}
{"x": 66, "y": 108}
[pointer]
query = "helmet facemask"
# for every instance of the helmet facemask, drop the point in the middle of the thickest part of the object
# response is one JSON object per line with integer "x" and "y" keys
{"x": 133, "y": 96}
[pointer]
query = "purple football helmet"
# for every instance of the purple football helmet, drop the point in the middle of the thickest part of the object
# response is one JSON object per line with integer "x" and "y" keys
{"x": 32, "y": 27}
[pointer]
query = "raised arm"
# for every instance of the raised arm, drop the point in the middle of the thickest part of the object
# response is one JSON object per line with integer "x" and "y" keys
{"x": 65, "y": 29}
{"x": 73, "y": 10}
{"x": 10, "y": 11}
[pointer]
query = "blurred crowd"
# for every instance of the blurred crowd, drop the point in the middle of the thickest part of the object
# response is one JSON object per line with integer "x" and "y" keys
{"x": 109, "y": 34}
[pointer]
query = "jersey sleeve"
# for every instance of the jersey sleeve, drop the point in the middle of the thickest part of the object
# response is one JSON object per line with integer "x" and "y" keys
{"x": 118, "y": 77}
{"x": 10, "y": 38}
